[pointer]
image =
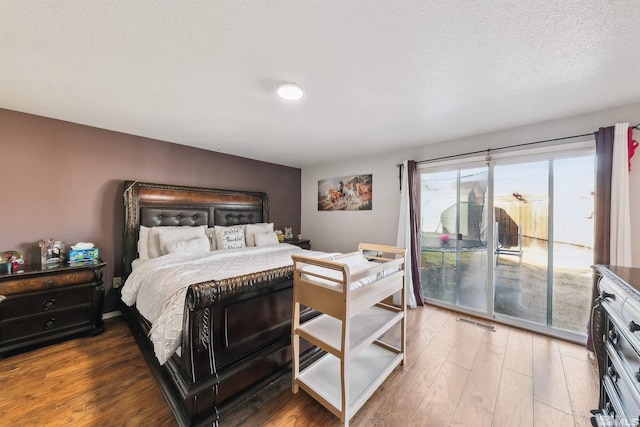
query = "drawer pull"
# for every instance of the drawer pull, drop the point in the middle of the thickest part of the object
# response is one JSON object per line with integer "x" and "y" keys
{"x": 49, "y": 305}
{"x": 49, "y": 323}
{"x": 633, "y": 326}
{"x": 605, "y": 295}
{"x": 48, "y": 283}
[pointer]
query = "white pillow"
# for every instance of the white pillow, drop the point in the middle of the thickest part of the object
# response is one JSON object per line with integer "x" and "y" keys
{"x": 143, "y": 243}
{"x": 197, "y": 245}
{"x": 230, "y": 237}
{"x": 265, "y": 239}
{"x": 251, "y": 229}
{"x": 149, "y": 242}
{"x": 166, "y": 235}
{"x": 211, "y": 234}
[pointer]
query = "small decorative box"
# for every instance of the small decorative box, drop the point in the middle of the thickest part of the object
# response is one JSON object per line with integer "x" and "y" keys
{"x": 82, "y": 255}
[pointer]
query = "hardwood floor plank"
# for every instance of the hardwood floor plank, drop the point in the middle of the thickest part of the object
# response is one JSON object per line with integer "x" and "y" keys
{"x": 440, "y": 402}
{"x": 427, "y": 364}
{"x": 451, "y": 330}
{"x": 577, "y": 351}
{"x": 498, "y": 337}
{"x": 467, "y": 345}
{"x": 549, "y": 385}
{"x": 479, "y": 396}
{"x": 437, "y": 317}
{"x": 519, "y": 354}
{"x": 514, "y": 405}
{"x": 400, "y": 409}
{"x": 547, "y": 416}
{"x": 582, "y": 387}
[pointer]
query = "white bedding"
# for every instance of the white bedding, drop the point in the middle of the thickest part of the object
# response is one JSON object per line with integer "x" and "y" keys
{"x": 158, "y": 286}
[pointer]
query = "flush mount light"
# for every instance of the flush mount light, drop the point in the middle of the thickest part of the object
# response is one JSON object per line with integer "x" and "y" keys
{"x": 290, "y": 91}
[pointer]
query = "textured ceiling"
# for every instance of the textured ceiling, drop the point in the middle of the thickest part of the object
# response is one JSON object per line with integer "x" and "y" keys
{"x": 379, "y": 75}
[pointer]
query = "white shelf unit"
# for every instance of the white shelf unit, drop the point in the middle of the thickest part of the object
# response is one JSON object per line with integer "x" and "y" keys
{"x": 357, "y": 361}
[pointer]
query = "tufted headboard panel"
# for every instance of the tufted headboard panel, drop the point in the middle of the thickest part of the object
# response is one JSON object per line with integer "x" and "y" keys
{"x": 155, "y": 205}
{"x": 154, "y": 217}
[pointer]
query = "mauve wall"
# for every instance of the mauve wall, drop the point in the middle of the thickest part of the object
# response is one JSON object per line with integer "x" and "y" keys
{"x": 64, "y": 181}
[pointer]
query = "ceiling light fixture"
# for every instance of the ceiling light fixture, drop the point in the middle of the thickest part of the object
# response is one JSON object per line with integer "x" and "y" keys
{"x": 290, "y": 91}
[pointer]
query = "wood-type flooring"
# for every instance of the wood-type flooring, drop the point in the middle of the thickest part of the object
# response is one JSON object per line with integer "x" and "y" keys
{"x": 456, "y": 374}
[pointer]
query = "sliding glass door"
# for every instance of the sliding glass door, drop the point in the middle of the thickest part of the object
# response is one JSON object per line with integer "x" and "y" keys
{"x": 512, "y": 240}
{"x": 454, "y": 237}
{"x": 521, "y": 229}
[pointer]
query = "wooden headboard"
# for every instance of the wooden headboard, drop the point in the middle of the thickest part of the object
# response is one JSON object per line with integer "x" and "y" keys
{"x": 154, "y": 205}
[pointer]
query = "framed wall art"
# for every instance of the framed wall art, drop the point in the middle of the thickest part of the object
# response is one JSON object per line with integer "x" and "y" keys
{"x": 346, "y": 193}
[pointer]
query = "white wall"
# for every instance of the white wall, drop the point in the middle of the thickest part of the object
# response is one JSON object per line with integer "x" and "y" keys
{"x": 342, "y": 230}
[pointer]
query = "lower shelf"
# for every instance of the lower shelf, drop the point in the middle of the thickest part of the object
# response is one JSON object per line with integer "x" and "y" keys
{"x": 366, "y": 372}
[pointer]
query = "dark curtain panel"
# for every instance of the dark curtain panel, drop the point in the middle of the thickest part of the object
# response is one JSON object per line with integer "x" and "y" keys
{"x": 414, "y": 203}
{"x": 602, "y": 223}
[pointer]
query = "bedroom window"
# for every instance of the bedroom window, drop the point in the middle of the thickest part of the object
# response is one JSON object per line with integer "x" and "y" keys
{"x": 512, "y": 240}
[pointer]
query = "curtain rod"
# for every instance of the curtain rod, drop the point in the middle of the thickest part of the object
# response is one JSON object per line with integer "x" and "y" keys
{"x": 505, "y": 148}
{"x": 453, "y": 156}
{"x": 400, "y": 166}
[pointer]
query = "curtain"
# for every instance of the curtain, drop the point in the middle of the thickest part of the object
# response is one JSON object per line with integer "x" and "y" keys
{"x": 613, "y": 218}
{"x": 409, "y": 233}
{"x": 620, "y": 245}
{"x": 602, "y": 223}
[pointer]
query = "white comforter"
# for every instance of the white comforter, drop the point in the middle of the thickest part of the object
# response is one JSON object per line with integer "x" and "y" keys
{"x": 158, "y": 286}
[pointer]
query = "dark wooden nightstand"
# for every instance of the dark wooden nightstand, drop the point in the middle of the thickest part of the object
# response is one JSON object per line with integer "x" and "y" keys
{"x": 43, "y": 304}
{"x": 303, "y": 243}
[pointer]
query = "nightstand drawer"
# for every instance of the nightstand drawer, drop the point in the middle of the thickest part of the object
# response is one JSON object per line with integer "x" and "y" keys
{"x": 41, "y": 302}
{"x": 44, "y": 324}
{"x": 24, "y": 284}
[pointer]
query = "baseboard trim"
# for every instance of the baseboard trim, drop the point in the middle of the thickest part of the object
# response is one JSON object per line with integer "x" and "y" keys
{"x": 111, "y": 314}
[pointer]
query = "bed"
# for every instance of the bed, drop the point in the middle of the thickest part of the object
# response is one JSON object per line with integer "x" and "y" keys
{"x": 350, "y": 290}
{"x": 234, "y": 332}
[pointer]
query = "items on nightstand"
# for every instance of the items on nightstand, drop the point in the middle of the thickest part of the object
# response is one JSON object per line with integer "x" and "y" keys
{"x": 10, "y": 261}
{"x": 288, "y": 232}
{"x": 280, "y": 236}
{"x": 83, "y": 252}
{"x": 52, "y": 252}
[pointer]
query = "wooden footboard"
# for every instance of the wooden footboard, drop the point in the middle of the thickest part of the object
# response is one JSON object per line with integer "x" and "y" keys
{"x": 224, "y": 358}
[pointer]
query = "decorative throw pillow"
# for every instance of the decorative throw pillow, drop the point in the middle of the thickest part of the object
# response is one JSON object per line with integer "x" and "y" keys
{"x": 230, "y": 237}
{"x": 197, "y": 245}
{"x": 251, "y": 229}
{"x": 265, "y": 239}
{"x": 167, "y": 235}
